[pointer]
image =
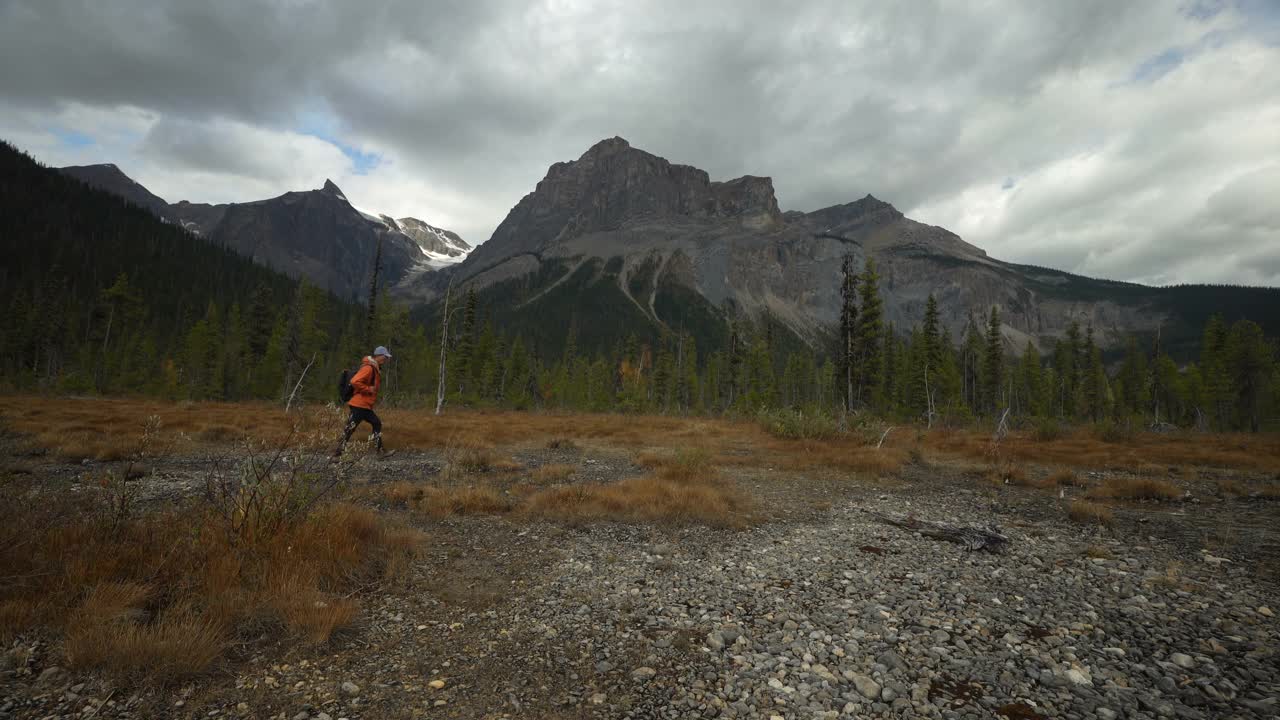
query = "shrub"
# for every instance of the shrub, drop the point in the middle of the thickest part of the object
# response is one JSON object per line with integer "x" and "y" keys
{"x": 1110, "y": 431}
{"x": 798, "y": 425}
{"x": 1047, "y": 430}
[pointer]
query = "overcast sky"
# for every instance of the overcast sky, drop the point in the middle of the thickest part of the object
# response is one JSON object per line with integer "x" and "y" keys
{"x": 1131, "y": 140}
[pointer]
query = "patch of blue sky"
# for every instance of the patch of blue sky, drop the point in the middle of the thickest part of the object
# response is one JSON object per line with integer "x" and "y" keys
{"x": 1261, "y": 19}
{"x": 1154, "y": 68}
{"x": 323, "y": 125}
{"x": 73, "y": 138}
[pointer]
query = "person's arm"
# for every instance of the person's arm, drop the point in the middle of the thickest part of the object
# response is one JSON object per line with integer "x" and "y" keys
{"x": 363, "y": 381}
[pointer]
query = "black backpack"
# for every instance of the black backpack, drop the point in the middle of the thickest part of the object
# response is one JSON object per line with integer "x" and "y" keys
{"x": 345, "y": 391}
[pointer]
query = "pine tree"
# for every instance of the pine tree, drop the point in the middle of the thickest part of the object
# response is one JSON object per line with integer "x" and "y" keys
{"x": 868, "y": 351}
{"x": 993, "y": 365}
{"x": 846, "y": 352}
{"x": 461, "y": 369}
{"x": 1030, "y": 378}
{"x": 1214, "y": 363}
{"x": 1094, "y": 380}
{"x": 1250, "y": 363}
{"x": 1133, "y": 379}
{"x": 971, "y": 354}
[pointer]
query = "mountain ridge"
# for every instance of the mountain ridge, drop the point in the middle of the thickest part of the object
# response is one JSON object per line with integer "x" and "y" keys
{"x": 652, "y": 228}
{"x": 317, "y": 234}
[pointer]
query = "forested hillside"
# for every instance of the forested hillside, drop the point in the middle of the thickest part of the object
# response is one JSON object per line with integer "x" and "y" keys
{"x": 102, "y": 297}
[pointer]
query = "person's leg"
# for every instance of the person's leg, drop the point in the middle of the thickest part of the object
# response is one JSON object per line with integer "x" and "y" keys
{"x": 376, "y": 423}
{"x": 350, "y": 427}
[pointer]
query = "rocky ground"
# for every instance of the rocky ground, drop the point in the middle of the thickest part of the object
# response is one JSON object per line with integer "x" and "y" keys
{"x": 828, "y": 613}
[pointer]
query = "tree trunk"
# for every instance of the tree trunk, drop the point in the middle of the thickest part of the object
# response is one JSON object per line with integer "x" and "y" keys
{"x": 444, "y": 345}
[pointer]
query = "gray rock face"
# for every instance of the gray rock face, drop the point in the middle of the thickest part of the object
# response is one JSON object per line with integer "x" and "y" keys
{"x": 729, "y": 243}
{"x": 314, "y": 234}
{"x": 431, "y": 238}
{"x": 108, "y": 177}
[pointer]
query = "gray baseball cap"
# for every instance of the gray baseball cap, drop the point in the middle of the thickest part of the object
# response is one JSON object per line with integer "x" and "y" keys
{"x": 381, "y": 350}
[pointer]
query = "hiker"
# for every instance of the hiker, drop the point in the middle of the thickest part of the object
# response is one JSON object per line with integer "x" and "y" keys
{"x": 365, "y": 384}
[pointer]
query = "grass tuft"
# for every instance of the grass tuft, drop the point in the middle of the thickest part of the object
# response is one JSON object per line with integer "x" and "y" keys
{"x": 1123, "y": 488}
{"x": 1083, "y": 511}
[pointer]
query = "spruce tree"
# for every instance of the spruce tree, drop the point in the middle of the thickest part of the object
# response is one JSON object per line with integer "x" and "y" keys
{"x": 1030, "y": 378}
{"x": 868, "y": 351}
{"x": 1250, "y": 363}
{"x": 846, "y": 351}
{"x": 993, "y": 365}
{"x": 1094, "y": 380}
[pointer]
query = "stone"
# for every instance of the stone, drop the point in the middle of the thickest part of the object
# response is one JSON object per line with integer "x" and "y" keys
{"x": 50, "y": 675}
{"x": 1105, "y": 713}
{"x": 1079, "y": 676}
{"x": 643, "y": 674}
{"x": 324, "y": 716}
{"x": 599, "y": 698}
{"x": 715, "y": 641}
{"x": 867, "y": 687}
{"x": 436, "y": 684}
{"x": 1182, "y": 660}
{"x": 350, "y": 688}
{"x": 1265, "y": 611}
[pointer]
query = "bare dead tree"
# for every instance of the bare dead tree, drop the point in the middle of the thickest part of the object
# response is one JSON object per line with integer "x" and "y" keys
{"x": 930, "y": 410}
{"x": 297, "y": 385}
{"x": 444, "y": 345}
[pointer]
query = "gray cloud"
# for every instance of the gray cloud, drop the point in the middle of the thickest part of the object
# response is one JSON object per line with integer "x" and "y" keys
{"x": 1129, "y": 130}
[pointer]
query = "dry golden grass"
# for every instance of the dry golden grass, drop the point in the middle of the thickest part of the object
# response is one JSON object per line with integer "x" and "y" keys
{"x": 1083, "y": 511}
{"x": 644, "y": 499}
{"x": 179, "y": 644}
{"x": 1011, "y": 474}
{"x": 438, "y": 502}
{"x": 1064, "y": 478}
{"x": 1233, "y": 487}
{"x": 313, "y": 615}
{"x": 101, "y": 428}
{"x": 684, "y": 487}
{"x": 159, "y": 596}
{"x": 553, "y": 473}
{"x": 443, "y": 502}
{"x": 1082, "y": 449}
{"x": 1125, "y": 488}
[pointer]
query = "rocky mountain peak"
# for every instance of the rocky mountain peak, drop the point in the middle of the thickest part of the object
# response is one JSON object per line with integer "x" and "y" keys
{"x": 613, "y": 185}
{"x": 608, "y": 146}
{"x": 331, "y": 188}
{"x": 109, "y": 177}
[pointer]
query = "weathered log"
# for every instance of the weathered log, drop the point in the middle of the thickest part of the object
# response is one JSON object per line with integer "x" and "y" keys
{"x": 973, "y": 538}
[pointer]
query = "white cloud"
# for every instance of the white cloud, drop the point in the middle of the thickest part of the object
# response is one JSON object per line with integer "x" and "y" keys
{"x": 1100, "y": 137}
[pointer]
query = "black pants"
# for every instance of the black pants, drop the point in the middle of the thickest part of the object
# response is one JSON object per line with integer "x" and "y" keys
{"x": 359, "y": 415}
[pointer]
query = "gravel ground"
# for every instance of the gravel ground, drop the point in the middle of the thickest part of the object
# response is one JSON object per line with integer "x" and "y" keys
{"x": 827, "y": 616}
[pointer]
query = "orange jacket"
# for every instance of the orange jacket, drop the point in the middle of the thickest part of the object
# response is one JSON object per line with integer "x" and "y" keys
{"x": 366, "y": 382}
